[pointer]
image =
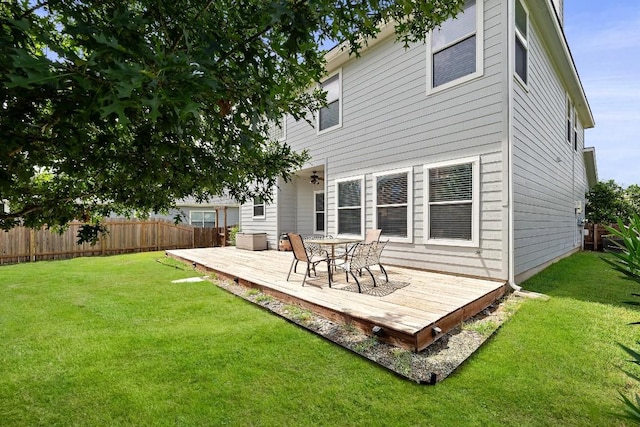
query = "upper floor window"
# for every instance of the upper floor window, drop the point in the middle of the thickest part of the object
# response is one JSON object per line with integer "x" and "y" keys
{"x": 205, "y": 219}
{"x": 393, "y": 204}
{"x": 521, "y": 44}
{"x": 456, "y": 48}
{"x": 278, "y": 130}
{"x": 330, "y": 117}
{"x": 258, "y": 207}
{"x": 318, "y": 208}
{"x": 350, "y": 206}
{"x": 570, "y": 119}
{"x": 575, "y": 130}
{"x": 452, "y": 201}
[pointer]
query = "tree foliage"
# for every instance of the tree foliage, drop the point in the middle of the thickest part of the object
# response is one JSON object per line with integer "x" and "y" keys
{"x": 607, "y": 201}
{"x": 127, "y": 105}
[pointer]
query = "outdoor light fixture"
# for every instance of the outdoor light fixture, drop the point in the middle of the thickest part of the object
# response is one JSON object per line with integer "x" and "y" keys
{"x": 314, "y": 179}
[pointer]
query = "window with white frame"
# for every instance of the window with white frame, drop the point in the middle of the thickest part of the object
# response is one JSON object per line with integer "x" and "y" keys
{"x": 575, "y": 130}
{"x": 456, "y": 48}
{"x": 278, "y": 130}
{"x": 393, "y": 204}
{"x": 569, "y": 120}
{"x": 258, "y": 207}
{"x": 318, "y": 208}
{"x": 452, "y": 193}
{"x": 205, "y": 219}
{"x": 330, "y": 117}
{"x": 350, "y": 194}
{"x": 521, "y": 42}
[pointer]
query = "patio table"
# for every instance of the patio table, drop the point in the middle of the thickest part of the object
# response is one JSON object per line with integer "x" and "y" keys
{"x": 333, "y": 242}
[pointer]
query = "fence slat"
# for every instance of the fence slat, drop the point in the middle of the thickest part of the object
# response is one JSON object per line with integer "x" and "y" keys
{"x": 22, "y": 244}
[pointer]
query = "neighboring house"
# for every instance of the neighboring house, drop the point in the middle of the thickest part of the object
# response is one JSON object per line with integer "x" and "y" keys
{"x": 467, "y": 151}
{"x": 218, "y": 212}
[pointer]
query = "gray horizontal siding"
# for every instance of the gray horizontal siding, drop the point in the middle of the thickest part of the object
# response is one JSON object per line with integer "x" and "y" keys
{"x": 548, "y": 173}
{"x": 389, "y": 122}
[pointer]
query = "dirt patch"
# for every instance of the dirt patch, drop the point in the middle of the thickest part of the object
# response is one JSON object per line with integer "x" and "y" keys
{"x": 429, "y": 366}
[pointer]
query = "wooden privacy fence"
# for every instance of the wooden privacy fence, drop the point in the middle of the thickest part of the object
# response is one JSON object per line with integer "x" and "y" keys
{"x": 593, "y": 236}
{"x": 22, "y": 244}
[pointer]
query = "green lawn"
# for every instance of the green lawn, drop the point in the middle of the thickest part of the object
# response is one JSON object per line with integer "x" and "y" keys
{"x": 111, "y": 341}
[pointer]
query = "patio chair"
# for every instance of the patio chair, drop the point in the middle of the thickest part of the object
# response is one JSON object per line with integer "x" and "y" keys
{"x": 371, "y": 236}
{"x": 313, "y": 248}
{"x": 308, "y": 254}
{"x": 362, "y": 257}
{"x": 378, "y": 247}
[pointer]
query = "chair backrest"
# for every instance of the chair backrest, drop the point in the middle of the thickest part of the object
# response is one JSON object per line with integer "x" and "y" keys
{"x": 372, "y": 235}
{"x": 297, "y": 246}
{"x": 363, "y": 256}
{"x": 376, "y": 250}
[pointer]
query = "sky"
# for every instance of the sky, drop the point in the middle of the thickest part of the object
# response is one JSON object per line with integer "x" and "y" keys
{"x": 604, "y": 39}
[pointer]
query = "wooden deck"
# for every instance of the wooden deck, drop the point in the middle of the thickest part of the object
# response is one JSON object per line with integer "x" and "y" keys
{"x": 413, "y": 310}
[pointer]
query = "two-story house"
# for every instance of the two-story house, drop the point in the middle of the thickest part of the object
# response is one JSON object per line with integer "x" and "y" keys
{"x": 467, "y": 151}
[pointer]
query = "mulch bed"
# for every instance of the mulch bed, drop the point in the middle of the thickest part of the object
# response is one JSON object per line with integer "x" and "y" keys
{"x": 429, "y": 366}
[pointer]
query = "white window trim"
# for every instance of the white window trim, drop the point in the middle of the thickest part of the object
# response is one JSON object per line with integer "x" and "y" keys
{"x": 409, "y": 172}
{"x": 202, "y": 212}
{"x": 525, "y": 43}
{"x": 479, "y": 55}
{"x": 475, "y": 204}
{"x": 362, "y": 211}
{"x": 339, "y": 125}
{"x": 264, "y": 209}
{"x": 569, "y": 124}
{"x": 316, "y": 211}
{"x": 575, "y": 129}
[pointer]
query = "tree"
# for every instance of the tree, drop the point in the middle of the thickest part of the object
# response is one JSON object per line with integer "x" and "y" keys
{"x": 127, "y": 105}
{"x": 632, "y": 196}
{"x": 606, "y": 202}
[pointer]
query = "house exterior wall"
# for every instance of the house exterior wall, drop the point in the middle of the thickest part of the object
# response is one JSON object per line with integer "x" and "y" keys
{"x": 288, "y": 211}
{"x": 548, "y": 173}
{"x": 389, "y": 122}
{"x": 233, "y": 214}
{"x": 530, "y": 177}
{"x": 266, "y": 224}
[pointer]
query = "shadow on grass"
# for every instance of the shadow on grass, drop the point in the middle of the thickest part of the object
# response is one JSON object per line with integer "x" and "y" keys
{"x": 586, "y": 276}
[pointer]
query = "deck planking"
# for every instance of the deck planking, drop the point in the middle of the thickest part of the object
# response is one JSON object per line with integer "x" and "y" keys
{"x": 418, "y": 301}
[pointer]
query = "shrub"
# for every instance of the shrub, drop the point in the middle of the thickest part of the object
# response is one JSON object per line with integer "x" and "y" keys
{"x": 628, "y": 262}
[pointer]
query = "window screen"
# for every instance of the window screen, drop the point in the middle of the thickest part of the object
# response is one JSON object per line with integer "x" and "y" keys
{"x": 453, "y": 47}
{"x": 392, "y": 204}
{"x": 258, "y": 207}
{"x": 451, "y": 202}
{"x": 319, "y": 211}
{"x": 329, "y": 116}
{"x": 349, "y": 207}
{"x": 521, "y": 44}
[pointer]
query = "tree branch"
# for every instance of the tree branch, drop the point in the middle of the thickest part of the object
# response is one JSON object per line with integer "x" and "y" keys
{"x": 175, "y": 44}
{"x": 33, "y": 9}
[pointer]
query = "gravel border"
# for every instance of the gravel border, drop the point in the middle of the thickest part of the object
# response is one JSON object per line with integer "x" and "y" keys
{"x": 429, "y": 366}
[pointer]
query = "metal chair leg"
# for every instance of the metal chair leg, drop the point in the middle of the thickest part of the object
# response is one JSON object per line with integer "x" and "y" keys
{"x": 291, "y": 268}
{"x": 372, "y": 277}
{"x": 386, "y": 276}
{"x": 357, "y": 283}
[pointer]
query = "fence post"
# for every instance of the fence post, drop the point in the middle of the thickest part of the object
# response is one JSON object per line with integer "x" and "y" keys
{"x": 32, "y": 245}
{"x": 226, "y": 228}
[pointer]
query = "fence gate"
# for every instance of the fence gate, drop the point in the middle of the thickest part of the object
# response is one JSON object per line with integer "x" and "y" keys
{"x": 209, "y": 237}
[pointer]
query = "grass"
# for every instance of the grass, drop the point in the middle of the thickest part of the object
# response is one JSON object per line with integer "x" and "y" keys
{"x": 111, "y": 341}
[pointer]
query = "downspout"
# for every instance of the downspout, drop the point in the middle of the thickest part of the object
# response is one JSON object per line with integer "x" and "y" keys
{"x": 510, "y": 88}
